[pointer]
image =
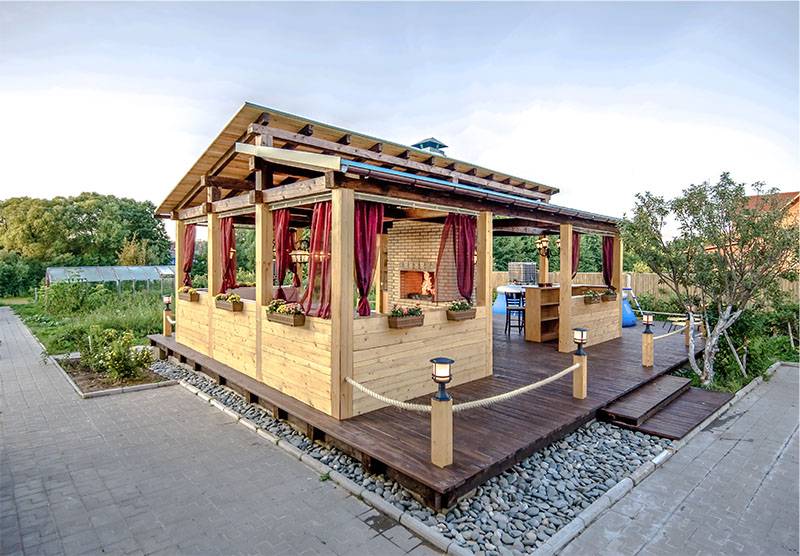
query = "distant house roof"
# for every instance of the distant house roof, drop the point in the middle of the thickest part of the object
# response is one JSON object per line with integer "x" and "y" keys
{"x": 784, "y": 198}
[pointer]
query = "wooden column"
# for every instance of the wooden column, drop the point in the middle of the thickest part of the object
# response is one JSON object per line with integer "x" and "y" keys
{"x": 616, "y": 278}
{"x": 580, "y": 377}
{"x": 166, "y": 325}
{"x": 180, "y": 249}
{"x": 565, "y": 344}
{"x": 483, "y": 280}
{"x": 441, "y": 432}
{"x": 648, "y": 355}
{"x": 264, "y": 239}
{"x": 544, "y": 268}
{"x": 214, "y": 260}
{"x": 342, "y": 307}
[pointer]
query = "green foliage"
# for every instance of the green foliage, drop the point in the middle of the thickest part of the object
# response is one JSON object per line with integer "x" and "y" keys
{"x": 246, "y": 249}
{"x": 70, "y": 297}
{"x": 89, "y": 229}
{"x": 111, "y": 351}
{"x": 62, "y": 330}
{"x": 18, "y": 274}
{"x": 134, "y": 252}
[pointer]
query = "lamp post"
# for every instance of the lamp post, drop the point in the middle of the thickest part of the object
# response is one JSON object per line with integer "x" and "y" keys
{"x": 442, "y": 414}
{"x": 166, "y": 325}
{"x": 580, "y": 376}
{"x": 648, "y": 351}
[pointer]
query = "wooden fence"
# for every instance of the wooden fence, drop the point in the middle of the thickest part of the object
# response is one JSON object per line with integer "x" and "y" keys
{"x": 641, "y": 282}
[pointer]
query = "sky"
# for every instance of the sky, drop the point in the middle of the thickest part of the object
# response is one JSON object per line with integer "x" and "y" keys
{"x": 602, "y": 100}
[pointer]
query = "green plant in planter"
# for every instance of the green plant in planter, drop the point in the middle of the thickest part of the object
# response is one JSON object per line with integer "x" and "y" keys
{"x": 187, "y": 289}
{"x": 398, "y": 311}
{"x": 458, "y": 306}
{"x": 290, "y": 309}
{"x": 274, "y": 305}
{"x": 591, "y": 296}
{"x": 110, "y": 351}
{"x": 229, "y": 297}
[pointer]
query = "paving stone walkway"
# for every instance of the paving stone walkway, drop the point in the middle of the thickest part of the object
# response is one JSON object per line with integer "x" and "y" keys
{"x": 157, "y": 472}
{"x": 733, "y": 489}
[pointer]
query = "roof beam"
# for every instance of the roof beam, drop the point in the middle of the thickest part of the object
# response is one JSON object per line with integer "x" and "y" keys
{"x": 372, "y": 155}
{"x": 226, "y": 183}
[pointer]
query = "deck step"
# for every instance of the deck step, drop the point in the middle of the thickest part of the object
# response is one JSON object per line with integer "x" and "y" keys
{"x": 644, "y": 402}
{"x": 684, "y": 413}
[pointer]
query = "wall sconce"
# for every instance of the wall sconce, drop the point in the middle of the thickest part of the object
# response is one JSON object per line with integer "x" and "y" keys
{"x": 580, "y": 336}
{"x": 301, "y": 254}
{"x": 441, "y": 375}
{"x": 167, "y": 299}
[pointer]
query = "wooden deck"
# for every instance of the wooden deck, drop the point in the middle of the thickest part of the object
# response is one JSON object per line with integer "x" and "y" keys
{"x": 488, "y": 440}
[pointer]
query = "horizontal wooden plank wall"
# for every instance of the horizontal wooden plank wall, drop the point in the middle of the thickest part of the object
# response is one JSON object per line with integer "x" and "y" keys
{"x": 297, "y": 360}
{"x": 234, "y": 338}
{"x": 192, "y": 319}
{"x": 396, "y": 363}
{"x": 602, "y": 319}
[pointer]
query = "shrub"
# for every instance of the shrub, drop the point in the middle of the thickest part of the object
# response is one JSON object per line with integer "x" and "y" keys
{"x": 111, "y": 352}
{"x": 69, "y": 297}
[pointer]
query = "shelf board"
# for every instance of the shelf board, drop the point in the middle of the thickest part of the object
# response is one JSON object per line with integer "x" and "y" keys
{"x": 549, "y": 319}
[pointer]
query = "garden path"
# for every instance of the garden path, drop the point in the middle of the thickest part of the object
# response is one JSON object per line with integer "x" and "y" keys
{"x": 733, "y": 489}
{"x": 157, "y": 472}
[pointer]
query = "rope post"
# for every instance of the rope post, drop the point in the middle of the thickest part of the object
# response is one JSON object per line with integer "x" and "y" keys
{"x": 441, "y": 432}
{"x": 648, "y": 352}
{"x": 580, "y": 376}
{"x": 686, "y": 333}
{"x": 166, "y": 325}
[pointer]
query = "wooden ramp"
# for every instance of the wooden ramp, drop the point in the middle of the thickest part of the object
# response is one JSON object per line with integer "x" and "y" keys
{"x": 665, "y": 407}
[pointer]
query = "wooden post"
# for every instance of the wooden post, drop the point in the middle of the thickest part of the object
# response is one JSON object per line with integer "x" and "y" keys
{"x": 616, "y": 280}
{"x": 648, "y": 349}
{"x": 483, "y": 281}
{"x": 580, "y": 377}
{"x": 441, "y": 432}
{"x": 687, "y": 332}
{"x": 565, "y": 291}
{"x": 342, "y": 307}
{"x": 214, "y": 260}
{"x": 180, "y": 249}
{"x": 544, "y": 267}
{"x": 166, "y": 325}
{"x": 264, "y": 261}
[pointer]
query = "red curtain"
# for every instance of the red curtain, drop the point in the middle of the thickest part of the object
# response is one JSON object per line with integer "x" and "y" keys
{"x": 608, "y": 259}
{"x": 462, "y": 227}
{"x": 367, "y": 226}
{"x": 189, "y": 234}
{"x": 283, "y": 246}
{"x": 316, "y": 300}
{"x": 576, "y": 252}
{"x": 227, "y": 253}
{"x": 293, "y": 266}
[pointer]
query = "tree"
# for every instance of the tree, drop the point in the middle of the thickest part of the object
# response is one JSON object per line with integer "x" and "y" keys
{"x": 726, "y": 254}
{"x": 134, "y": 252}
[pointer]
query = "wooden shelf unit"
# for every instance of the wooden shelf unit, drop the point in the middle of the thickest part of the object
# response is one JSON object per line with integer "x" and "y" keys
{"x": 541, "y": 314}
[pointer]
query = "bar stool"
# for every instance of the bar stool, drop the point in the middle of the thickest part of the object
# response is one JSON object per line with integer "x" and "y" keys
{"x": 515, "y": 312}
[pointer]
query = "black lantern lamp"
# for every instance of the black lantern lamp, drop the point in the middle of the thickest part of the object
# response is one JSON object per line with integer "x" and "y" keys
{"x": 647, "y": 319}
{"x": 167, "y": 299}
{"x": 441, "y": 375}
{"x": 580, "y": 336}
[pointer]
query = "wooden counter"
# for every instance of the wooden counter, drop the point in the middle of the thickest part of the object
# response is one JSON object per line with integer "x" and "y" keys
{"x": 542, "y": 310}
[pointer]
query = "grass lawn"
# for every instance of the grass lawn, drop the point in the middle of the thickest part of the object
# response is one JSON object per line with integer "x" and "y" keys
{"x": 14, "y": 301}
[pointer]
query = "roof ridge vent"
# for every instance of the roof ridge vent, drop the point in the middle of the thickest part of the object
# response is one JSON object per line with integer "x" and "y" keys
{"x": 431, "y": 144}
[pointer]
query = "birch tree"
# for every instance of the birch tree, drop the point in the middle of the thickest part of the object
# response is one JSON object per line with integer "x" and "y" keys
{"x": 727, "y": 250}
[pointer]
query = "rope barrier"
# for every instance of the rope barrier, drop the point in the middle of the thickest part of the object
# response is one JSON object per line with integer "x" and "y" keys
{"x": 171, "y": 321}
{"x": 670, "y": 333}
{"x": 485, "y": 402}
{"x": 513, "y": 393}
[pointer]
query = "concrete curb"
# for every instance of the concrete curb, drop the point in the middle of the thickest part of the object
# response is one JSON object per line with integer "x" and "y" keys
{"x": 56, "y": 360}
{"x": 567, "y": 533}
{"x": 431, "y": 535}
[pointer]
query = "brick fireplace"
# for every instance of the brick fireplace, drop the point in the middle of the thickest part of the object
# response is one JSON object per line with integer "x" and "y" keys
{"x": 418, "y": 285}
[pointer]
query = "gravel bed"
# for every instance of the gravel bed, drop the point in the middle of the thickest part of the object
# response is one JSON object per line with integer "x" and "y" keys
{"x": 514, "y": 512}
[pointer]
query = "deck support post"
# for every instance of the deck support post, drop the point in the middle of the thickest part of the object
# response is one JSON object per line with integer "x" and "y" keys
{"x": 544, "y": 267}
{"x": 166, "y": 325}
{"x": 214, "y": 257}
{"x": 648, "y": 352}
{"x": 687, "y": 332}
{"x": 342, "y": 303}
{"x": 441, "y": 432}
{"x": 483, "y": 282}
{"x": 580, "y": 376}
{"x": 565, "y": 291}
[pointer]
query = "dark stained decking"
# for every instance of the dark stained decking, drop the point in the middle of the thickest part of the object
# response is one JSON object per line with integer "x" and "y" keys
{"x": 488, "y": 440}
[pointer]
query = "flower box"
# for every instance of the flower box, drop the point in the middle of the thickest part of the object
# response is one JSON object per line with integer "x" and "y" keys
{"x": 591, "y": 299}
{"x": 609, "y": 297}
{"x": 298, "y": 319}
{"x": 461, "y": 315}
{"x": 409, "y": 321}
{"x": 189, "y": 296}
{"x": 235, "y": 306}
